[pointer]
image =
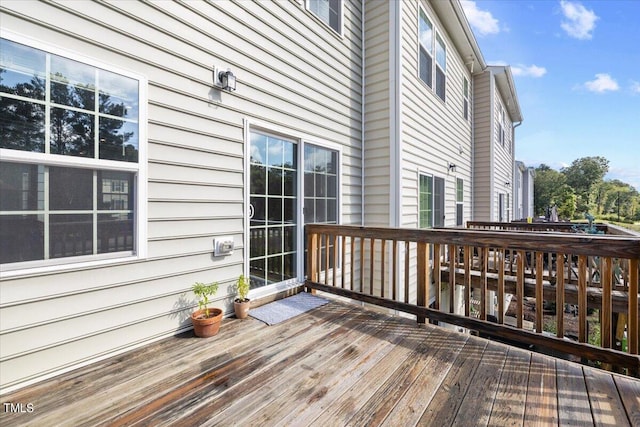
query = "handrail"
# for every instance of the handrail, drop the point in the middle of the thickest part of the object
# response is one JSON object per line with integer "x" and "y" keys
{"x": 397, "y": 267}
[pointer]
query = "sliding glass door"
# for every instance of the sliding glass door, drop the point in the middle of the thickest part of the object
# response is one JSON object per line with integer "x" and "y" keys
{"x": 281, "y": 201}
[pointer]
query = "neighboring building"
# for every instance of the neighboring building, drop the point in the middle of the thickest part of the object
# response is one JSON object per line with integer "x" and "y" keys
{"x": 123, "y": 159}
{"x": 523, "y": 191}
{"x": 497, "y": 114}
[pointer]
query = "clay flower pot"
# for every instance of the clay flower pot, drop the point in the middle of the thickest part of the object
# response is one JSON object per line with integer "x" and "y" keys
{"x": 203, "y": 326}
{"x": 241, "y": 308}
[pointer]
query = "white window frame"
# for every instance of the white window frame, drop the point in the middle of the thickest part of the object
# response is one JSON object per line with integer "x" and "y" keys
{"x": 501, "y": 131}
{"x": 301, "y": 139}
{"x": 460, "y": 203}
{"x": 340, "y": 29}
{"x": 139, "y": 169}
{"x": 437, "y": 66}
{"x": 430, "y": 50}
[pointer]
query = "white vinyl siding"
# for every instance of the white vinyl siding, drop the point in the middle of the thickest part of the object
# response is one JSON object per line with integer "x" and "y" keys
{"x": 434, "y": 133}
{"x": 377, "y": 115}
{"x": 483, "y": 134}
{"x": 195, "y": 160}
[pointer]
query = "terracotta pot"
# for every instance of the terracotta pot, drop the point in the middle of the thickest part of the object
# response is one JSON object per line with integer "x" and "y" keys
{"x": 242, "y": 308}
{"x": 206, "y": 326}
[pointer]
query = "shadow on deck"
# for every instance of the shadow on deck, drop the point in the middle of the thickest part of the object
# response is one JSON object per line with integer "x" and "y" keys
{"x": 336, "y": 365}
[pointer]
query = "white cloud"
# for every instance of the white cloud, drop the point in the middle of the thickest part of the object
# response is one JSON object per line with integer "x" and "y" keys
{"x": 580, "y": 21}
{"x": 528, "y": 71}
{"x": 635, "y": 87}
{"x": 481, "y": 20}
{"x": 602, "y": 83}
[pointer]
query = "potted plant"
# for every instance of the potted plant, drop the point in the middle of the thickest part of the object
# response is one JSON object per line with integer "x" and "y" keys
{"x": 241, "y": 304}
{"x": 206, "y": 321}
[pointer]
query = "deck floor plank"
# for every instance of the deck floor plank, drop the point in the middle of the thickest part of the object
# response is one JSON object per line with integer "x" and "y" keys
{"x": 408, "y": 410}
{"x": 629, "y": 390}
{"x": 574, "y": 408}
{"x": 606, "y": 404}
{"x": 444, "y": 405}
{"x": 478, "y": 401}
{"x": 311, "y": 373}
{"x": 508, "y": 407}
{"x": 321, "y": 390}
{"x": 339, "y": 364}
{"x": 541, "y": 408}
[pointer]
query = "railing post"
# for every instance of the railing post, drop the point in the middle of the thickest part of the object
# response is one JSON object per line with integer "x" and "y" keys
{"x": 452, "y": 278}
{"x": 539, "y": 291}
{"x": 582, "y": 298}
{"x": 560, "y": 295}
{"x": 633, "y": 331}
{"x": 422, "y": 266}
{"x": 605, "y": 314}
{"x": 312, "y": 247}
{"x": 520, "y": 288}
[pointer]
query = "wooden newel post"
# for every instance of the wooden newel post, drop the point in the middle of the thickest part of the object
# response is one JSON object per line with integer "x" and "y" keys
{"x": 422, "y": 291}
{"x": 312, "y": 263}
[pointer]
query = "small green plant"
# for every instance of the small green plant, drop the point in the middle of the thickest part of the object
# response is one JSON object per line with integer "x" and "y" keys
{"x": 242, "y": 288}
{"x": 203, "y": 291}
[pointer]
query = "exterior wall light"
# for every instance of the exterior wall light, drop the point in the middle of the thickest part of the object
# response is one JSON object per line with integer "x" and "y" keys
{"x": 507, "y": 184}
{"x": 452, "y": 167}
{"x": 227, "y": 80}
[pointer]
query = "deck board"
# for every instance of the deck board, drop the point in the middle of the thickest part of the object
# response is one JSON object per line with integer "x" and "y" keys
{"x": 336, "y": 365}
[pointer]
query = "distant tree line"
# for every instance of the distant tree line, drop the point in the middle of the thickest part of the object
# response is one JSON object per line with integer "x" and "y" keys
{"x": 581, "y": 188}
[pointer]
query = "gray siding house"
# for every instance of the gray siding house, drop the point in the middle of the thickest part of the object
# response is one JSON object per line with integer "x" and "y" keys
{"x": 126, "y": 154}
{"x": 497, "y": 114}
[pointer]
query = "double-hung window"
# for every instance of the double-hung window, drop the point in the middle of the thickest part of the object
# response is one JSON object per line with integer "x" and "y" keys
{"x": 426, "y": 49}
{"x": 501, "y": 126}
{"x": 459, "y": 202}
{"x": 328, "y": 11}
{"x": 441, "y": 67}
{"x": 70, "y": 160}
{"x": 431, "y": 45}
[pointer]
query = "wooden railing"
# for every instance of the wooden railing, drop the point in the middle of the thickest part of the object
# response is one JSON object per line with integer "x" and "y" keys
{"x": 560, "y": 227}
{"x": 401, "y": 268}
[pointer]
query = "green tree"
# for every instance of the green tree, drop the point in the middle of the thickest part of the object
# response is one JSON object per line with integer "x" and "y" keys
{"x": 583, "y": 176}
{"x": 565, "y": 199}
{"x": 546, "y": 184}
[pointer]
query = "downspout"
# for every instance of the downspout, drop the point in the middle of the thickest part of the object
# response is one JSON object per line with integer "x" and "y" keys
{"x": 492, "y": 141}
{"x": 362, "y": 117}
{"x": 395, "y": 133}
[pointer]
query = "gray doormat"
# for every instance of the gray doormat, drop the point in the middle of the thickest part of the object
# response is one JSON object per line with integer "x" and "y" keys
{"x": 284, "y": 309}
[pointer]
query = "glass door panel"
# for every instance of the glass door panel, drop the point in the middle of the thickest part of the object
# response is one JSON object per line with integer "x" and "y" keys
{"x": 273, "y": 214}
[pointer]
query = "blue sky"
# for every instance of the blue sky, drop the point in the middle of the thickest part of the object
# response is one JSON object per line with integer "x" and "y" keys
{"x": 576, "y": 66}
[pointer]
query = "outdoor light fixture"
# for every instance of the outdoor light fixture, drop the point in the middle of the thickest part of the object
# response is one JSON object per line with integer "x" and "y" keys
{"x": 507, "y": 184}
{"x": 452, "y": 167}
{"x": 227, "y": 80}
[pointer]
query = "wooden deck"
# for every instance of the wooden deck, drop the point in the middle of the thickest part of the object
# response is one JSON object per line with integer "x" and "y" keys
{"x": 336, "y": 365}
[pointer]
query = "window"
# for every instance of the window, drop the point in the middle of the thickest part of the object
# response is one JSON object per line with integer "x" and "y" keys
{"x": 431, "y": 201}
{"x": 70, "y": 150}
{"x": 426, "y": 49}
{"x": 465, "y": 98}
{"x": 459, "y": 202}
{"x": 501, "y": 207}
{"x": 501, "y": 125}
{"x": 441, "y": 67}
{"x": 426, "y": 201}
{"x": 329, "y": 12}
